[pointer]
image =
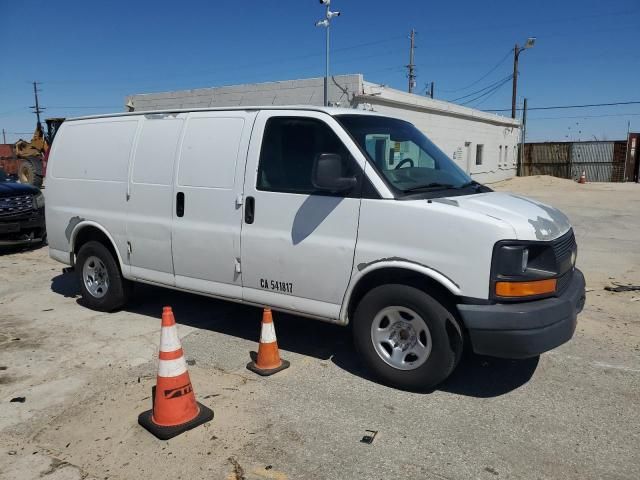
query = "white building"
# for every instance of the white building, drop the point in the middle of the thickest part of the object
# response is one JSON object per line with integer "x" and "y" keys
{"x": 483, "y": 144}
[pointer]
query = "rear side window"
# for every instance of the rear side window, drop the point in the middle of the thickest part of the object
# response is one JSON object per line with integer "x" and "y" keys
{"x": 289, "y": 148}
{"x": 210, "y": 151}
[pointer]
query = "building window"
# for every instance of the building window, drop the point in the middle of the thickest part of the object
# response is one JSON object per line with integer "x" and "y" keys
{"x": 479, "y": 151}
{"x": 500, "y": 157}
{"x": 506, "y": 155}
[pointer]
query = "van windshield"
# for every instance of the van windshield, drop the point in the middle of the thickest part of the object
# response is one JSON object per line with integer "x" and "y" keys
{"x": 410, "y": 162}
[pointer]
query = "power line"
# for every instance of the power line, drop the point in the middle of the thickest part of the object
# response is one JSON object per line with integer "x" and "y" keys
{"x": 84, "y": 106}
{"x": 586, "y": 105}
{"x": 588, "y": 116}
{"x": 508, "y": 77}
{"x": 493, "y": 69}
{"x": 489, "y": 93}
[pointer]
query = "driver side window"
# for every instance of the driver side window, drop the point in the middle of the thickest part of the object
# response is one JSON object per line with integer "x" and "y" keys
{"x": 289, "y": 147}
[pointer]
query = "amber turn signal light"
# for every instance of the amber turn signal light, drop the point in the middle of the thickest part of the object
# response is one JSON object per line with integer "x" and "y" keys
{"x": 525, "y": 289}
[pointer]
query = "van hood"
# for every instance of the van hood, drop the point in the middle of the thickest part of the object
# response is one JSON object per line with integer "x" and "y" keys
{"x": 531, "y": 220}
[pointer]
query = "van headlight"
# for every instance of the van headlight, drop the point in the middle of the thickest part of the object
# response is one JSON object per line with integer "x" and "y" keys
{"x": 523, "y": 270}
{"x": 38, "y": 200}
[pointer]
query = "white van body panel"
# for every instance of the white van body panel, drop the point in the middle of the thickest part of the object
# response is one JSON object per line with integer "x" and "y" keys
{"x": 531, "y": 220}
{"x": 437, "y": 235}
{"x": 89, "y": 184}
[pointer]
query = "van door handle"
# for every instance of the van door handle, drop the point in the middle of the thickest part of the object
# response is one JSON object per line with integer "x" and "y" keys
{"x": 249, "y": 209}
{"x": 180, "y": 204}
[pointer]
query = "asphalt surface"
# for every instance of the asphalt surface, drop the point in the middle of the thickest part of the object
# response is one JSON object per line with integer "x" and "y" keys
{"x": 85, "y": 376}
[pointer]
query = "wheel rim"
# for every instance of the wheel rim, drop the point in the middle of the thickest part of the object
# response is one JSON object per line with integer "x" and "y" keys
{"x": 401, "y": 338}
{"x": 95, "y": 277}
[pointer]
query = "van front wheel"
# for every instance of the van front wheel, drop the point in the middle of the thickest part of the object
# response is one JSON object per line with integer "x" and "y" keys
{"x": 102, "y": 286}
{"x": 401, "y": 333}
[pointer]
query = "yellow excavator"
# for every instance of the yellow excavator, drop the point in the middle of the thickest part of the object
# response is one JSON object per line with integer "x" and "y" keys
{"x": 29, "y": 160}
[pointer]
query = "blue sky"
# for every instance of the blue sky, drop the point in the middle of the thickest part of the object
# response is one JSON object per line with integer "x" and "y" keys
{"x": 90, "y": 55}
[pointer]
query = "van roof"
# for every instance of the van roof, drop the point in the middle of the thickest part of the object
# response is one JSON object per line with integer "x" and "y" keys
{"x": 329, "y": 110}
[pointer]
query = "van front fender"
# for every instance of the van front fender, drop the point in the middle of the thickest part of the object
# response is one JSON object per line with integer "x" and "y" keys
{"x": 363, "y": 270}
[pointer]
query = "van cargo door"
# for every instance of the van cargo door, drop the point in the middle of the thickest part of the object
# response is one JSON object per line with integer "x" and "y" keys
{"x": 150, "y": 200}
{"x": 206, "y": 212}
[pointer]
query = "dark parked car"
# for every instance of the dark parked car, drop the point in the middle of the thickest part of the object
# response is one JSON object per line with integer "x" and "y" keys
{"x": 21, "y": 213}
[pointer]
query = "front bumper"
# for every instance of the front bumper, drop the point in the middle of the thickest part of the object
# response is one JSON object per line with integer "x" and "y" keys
{"x": 522, "y": 330}
{"x": 23, "y": 229}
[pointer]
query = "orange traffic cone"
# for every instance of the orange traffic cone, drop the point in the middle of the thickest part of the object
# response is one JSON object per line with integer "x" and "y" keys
{"x": 583, "y": 177}
{"x": 175, "y": 409}
{"x": 268, "y": 360}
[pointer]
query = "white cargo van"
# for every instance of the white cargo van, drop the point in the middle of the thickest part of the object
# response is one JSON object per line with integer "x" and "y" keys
{"x": 341, "y": 215}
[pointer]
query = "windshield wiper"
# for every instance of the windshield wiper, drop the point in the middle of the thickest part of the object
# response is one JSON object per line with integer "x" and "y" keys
{"x": 472, "y": 183}
{"x": 429, "y": 186}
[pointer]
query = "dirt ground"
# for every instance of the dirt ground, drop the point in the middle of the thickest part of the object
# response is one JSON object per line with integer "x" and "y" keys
{"x": 85, "y": 376}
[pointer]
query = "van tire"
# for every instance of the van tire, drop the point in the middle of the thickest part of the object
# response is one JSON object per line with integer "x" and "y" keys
{"x": 92, "y": 257}
{"x": 443, "y": 355}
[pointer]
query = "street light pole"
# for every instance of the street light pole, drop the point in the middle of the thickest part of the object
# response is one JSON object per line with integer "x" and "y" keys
{"x": 326, "y": 23}
{"x": 516, "y": 55}
{"x": 326, "y": 66}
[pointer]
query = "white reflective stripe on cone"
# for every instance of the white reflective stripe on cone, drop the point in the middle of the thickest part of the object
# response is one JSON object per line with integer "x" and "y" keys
{"x": 169, "y": 341}
{"x": 172, "y": 368}
{"x": 268, "y": 333}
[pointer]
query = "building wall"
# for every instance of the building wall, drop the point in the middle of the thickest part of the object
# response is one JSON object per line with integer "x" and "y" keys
{"x": 309, "y": 91}
{"x": 457, "y": 130}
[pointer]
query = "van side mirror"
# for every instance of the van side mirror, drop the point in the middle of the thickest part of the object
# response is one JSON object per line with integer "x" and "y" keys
{"x": 327, "y": 174}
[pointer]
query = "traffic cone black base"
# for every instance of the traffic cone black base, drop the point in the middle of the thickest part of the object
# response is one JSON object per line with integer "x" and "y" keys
{"x": 265, "y": 372}
{"x": 145, "y": 419}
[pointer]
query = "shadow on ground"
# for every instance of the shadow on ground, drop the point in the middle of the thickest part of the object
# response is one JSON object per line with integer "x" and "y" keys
{"x": 475, "y": 376}
{"x": 23, "y": 248}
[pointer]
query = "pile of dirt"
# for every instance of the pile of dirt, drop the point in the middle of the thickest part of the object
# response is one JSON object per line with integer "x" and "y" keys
{"x": 535, "y": 181}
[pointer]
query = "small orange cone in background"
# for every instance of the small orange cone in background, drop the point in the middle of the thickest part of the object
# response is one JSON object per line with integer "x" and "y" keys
{"x": 175, "y": 409}
{"x": 268, "y": 360}
{"x": 583, "y": 177}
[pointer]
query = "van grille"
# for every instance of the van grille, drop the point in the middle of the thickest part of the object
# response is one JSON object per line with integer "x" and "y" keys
{"x": 15, "y": 205}
{"x": 562, "y": 248}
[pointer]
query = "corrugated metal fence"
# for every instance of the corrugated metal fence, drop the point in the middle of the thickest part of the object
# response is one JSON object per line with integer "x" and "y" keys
{"x": 601, "y": 161}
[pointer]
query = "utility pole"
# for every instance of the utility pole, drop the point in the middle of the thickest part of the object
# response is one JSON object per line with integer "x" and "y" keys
{"x": 36, "y": 108}
{"x": 516, "y": 55}
{"x": 4, "y": 136}
{"x": 523, "y": 133}
{"x": 431, "y": 90}
{"x": 411, "y": 66}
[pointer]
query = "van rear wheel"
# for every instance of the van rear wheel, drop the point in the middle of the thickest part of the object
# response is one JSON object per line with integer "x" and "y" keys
{"x": 101, "y": 283}
{"x": 401, "y": 333}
